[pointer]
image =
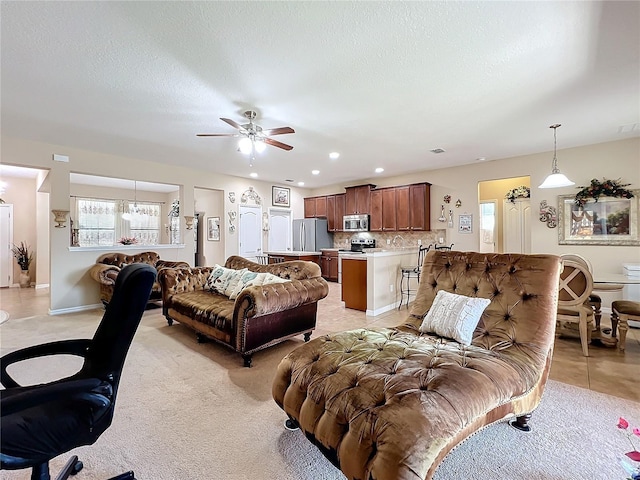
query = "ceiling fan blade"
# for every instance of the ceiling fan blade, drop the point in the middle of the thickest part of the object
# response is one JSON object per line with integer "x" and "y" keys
{"x": 232, "y": 123}
{"x": 216, "y": 134}
{"x": 278, "y": 144}
{"x": 278, "y": 131}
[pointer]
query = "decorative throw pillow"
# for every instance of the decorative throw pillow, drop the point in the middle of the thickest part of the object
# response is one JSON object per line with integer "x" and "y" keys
{"x": 223, "y": 280}
{"x": 454, "y": 316}
{"x": 250, "y": 279}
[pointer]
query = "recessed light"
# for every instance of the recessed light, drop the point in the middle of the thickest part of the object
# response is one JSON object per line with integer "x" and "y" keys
{"x": 334, "y": 155}
{"x": 253, "y": 175}
{"x": 301, "y": 184}
{"x": 315, "y": 172}
{"x": 379, "y": 170}
{"x": 481, "y": 159}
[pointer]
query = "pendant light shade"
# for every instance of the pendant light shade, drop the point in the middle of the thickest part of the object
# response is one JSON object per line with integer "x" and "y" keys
{"x": 556, "y": 179}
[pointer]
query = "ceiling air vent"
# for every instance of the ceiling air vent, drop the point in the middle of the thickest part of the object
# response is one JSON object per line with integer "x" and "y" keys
{"x": 288, "y": 180}
{"x": 437, "y": 150}
{"x": 628, "y": 128}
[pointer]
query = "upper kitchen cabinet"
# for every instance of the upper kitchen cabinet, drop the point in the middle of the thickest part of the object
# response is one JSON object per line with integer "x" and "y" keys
{"x": 413, "y": 207}
{"x": 315, "y": 207}
{"x": 335, "y": 212}
{"x": 358, "y": 199}
{"x": 383, "y": 210}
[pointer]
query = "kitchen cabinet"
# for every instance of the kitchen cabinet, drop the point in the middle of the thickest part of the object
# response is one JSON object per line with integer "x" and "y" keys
{"x": 357, "y": 199}
{"x": 375, "y": 219}
{"x": 329, "y": 265}
{"x": 335, "y": 212}
{"x": 315, "y": 207}
{"x": 413, "y": 207}
{"x": 354, "y": 283}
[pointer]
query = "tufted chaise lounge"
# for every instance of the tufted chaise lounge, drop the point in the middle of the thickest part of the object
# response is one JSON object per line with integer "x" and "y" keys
{"x": 390, "y": 403}
{"x": 108, "y": 266}
{"x": 259, "y": 317}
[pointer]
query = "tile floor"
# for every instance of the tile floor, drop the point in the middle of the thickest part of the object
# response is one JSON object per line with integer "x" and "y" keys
{"x": 606, "y": 370}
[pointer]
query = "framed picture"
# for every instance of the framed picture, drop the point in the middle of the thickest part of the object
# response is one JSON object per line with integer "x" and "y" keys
{"x": 213, "y": 229}
{"x": 466, "y": 223}
{"x": 609, "y": 221}
{"x": 281, "y": 196}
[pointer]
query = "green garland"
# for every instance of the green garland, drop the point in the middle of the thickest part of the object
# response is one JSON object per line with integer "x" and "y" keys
{"x": 606, "y": 188}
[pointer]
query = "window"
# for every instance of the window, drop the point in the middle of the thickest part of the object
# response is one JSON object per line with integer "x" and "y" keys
{"x": 100, "y": 222}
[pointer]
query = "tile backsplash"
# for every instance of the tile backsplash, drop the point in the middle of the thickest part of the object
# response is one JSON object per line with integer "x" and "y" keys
{"x": 392, "y": 239}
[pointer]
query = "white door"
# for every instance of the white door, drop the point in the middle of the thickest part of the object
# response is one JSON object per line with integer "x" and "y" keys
{"x": 279, "y": 230}
{"x": 6, "y": 241}
{"x": 250, "y": 232}
{"x": 488, "y": 226}
{"x": 517, "y": 226}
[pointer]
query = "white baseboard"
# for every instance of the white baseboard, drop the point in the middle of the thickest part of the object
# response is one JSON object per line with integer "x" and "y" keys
{"x": 42, "y": 285}
{"x": 381, "y": 310}
{"x": 81, "y": 308}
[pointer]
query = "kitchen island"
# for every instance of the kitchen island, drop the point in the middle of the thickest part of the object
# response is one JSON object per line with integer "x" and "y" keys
{"x": 289, "y": 255}
{"x": 382, "y": 277}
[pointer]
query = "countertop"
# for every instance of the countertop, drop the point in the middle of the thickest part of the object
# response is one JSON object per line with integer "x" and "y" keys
{"x": 293, "y": 253}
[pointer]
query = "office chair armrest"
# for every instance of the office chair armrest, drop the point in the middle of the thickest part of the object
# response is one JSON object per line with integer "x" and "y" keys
{"x": 43, "y": 394}
{"x": 64, "y": 347}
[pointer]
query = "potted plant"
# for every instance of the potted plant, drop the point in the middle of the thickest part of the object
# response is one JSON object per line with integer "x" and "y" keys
{"x": 24, "y": 258}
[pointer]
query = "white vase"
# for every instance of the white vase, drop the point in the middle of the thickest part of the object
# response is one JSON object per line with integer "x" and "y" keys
{"x": 25, "y": 280}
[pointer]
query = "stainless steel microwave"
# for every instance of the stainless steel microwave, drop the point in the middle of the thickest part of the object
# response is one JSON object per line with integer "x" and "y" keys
{"x": 355, "y": 223}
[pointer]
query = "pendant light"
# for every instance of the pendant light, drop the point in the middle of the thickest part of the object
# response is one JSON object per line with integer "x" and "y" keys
{"x": 556, "y": 179}
{"x": 127, "y": 215}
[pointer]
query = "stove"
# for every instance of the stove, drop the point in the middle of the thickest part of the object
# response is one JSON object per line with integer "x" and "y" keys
{"x": 358, "y": 245}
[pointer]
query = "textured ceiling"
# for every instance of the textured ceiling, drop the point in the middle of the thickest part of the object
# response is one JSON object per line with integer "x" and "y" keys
{"x": 382, "y": 83}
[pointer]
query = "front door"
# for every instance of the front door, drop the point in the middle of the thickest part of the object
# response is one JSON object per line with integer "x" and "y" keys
{"x": 250, "y": 232}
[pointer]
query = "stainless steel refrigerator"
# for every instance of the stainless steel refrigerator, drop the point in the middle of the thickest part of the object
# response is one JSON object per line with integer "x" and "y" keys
{"x": 311, "y": 235}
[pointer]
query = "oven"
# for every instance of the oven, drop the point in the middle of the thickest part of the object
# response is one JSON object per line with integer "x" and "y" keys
{"x": 355, "y": 223}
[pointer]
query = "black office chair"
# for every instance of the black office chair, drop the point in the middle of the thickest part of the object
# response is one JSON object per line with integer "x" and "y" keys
{"x": 40, "y": 422}
{"x": 408, "y": 273}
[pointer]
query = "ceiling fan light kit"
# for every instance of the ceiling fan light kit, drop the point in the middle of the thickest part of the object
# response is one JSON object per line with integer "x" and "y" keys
{"x": 253, "y": 139}
{"x": 555, "y": 179}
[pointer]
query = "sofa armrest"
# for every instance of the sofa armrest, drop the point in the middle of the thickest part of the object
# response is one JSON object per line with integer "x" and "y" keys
{"x": 104, "y": 274}
{"x": 179, "y": 280}
{"x": 277, "y": 297}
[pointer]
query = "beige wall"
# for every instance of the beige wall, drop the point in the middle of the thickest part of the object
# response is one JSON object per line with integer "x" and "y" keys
{"x": 71, "y": 287}
{"x": 211, "y": 204}
{"x": 612, "y": 160}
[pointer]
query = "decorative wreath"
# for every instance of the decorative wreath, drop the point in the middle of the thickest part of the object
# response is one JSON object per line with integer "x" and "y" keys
{"x": 519, "y": 192}
{"x": 606, "y": 188}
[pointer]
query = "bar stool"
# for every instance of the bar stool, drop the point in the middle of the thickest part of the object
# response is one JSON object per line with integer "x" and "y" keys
{"x": 407, "y": 273}
{"x": 443, "y": 247}
{"x": 262, "y": 259}
{"x": 622, "y": 311}
{"x": 275, "y": 259}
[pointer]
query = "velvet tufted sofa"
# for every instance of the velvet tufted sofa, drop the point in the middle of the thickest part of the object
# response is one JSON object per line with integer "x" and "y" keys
{"x": 108, "y": 266}
{"x": 259, "y": 317}
{"x": 390, "y": 403}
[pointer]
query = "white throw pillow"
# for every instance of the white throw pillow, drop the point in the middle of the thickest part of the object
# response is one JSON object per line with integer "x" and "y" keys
{"x": 454, "y": 316}
{"x": 250, "y": 279}
{"x": 223, "y": 280}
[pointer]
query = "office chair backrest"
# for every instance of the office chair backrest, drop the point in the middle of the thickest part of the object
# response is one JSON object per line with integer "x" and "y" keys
{"x": 106, "y": 355}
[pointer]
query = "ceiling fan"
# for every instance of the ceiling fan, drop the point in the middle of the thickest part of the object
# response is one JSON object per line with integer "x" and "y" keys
{"x": 252, "y": 137}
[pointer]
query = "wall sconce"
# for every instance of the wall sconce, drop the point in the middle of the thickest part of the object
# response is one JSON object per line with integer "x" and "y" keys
{"x": 60, "y": 217}
{"x": 548, "y": 214}
{"x": 442, "y": 217}
{"x": 232, "y": 217}
{"x": 189, "y": 221}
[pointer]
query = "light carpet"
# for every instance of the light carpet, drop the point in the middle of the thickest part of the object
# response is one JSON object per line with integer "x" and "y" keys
{"x": 191, "y": 411}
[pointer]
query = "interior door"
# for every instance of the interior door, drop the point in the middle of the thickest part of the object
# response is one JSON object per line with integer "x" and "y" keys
{"x": 488, "y": 211}
{"x": 6, "y": 240}
{"x": 280, "y": 231}
{"x": 250, "y": 232}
